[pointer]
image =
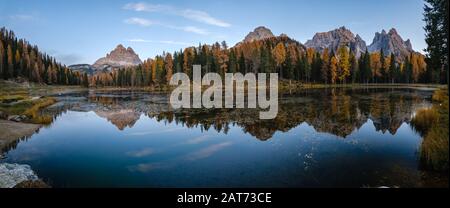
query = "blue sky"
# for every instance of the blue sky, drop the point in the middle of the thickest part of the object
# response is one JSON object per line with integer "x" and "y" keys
{"x": 81, "y": 31}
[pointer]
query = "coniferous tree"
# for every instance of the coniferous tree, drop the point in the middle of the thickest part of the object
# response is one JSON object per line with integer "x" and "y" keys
{"x": 436, "y": 29}
{"x": 2, "y": 57}
{"x": 10, "y": 61}
{"x": 333, "y": 70}
{"x": 393, "y": 73}
{"x": 325, "y": 66}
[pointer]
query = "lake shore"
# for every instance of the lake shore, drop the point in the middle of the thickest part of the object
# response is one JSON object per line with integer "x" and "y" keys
{"x": 13, "y": 131}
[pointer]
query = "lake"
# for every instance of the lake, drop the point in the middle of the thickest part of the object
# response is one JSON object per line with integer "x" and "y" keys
{"x": 344, "y": 137}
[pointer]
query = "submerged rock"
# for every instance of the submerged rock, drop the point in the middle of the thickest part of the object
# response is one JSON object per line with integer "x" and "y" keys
{"x": 32, "y": 184}
{"x": 13, "y": 174}
{"x": 17, "y": 118}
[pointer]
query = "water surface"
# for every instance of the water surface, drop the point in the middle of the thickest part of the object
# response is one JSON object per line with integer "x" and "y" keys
{"x": 320, "y": 138}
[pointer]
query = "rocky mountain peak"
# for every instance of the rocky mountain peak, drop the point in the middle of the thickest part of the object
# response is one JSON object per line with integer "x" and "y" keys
{"x": 120, "y": 57}
{"x": 393, "y": 31}
{"x": 391, "y": 43}
{"x": 259, "y": 33}
{"x": 335, "y": 38}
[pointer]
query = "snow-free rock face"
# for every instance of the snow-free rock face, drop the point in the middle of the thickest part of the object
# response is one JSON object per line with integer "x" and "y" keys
{"x": 391, "y": 42}
{"x": 120, "y": 57}
{"x": 335, "y": 38}
{"x": 259, "y": 33}
{"x": 13, "y": 174}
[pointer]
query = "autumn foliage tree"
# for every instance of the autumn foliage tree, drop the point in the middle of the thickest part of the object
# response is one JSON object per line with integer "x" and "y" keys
{"x": 19, "y": 59}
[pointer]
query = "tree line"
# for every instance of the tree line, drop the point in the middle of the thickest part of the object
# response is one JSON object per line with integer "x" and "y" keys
{"x": 19, "y": 59}
{"x": 282, "y": 55}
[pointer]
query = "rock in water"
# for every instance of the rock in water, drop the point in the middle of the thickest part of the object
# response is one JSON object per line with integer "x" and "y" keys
{"x": 13, "y": 174}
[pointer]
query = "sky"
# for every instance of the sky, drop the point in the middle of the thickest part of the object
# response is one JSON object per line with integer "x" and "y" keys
{"x": 81, "y": 31}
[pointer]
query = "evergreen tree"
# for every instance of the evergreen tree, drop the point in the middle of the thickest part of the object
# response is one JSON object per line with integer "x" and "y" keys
{"x": 393, "y": 73}
{"x": 436, "y": 29}
{"x": 333, "y": 70}
{"x": 2, "y": 57}
{"x": 354, "y": 68}
{"x": 10, "y": 61}
{"x": 325, "y": 66}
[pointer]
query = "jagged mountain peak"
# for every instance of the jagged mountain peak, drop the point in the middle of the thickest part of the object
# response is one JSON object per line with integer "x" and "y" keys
{"x": 335, "y": 38}
{"x": 120, "y": 57}
{"x": 391, "y": 43}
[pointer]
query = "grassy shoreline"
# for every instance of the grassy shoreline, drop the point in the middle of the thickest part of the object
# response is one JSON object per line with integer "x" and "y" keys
{"x": 9, "y": 88}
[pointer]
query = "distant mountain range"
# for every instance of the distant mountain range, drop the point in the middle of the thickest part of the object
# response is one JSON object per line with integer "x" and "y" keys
{"x": 390, "y": 42}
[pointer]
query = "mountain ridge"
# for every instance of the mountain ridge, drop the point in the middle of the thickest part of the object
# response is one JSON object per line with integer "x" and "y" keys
{"x": 389, "y": 42}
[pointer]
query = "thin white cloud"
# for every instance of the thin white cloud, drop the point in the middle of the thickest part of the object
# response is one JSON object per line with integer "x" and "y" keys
{"x": 203, "y": 17}
{"x": 170, "y": 42}
{"x": 143, "y": 7}
{"x": 195, "y": 15}
{"x": 146, "y": 23}
{"x": 139, "y": 21}
{"x": 195, "y": 30}
{"x": 21, "y": 17}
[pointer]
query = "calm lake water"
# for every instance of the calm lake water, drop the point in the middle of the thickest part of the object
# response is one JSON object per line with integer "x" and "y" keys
{"x": 321, "y": 138}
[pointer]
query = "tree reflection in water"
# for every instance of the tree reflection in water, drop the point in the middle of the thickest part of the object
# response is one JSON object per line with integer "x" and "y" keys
{"x": 335, "y": 111}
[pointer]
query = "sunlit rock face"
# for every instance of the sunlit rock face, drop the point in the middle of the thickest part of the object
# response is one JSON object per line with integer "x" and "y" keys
{"x": 391, "y": 43}
{"x": 260, "y": 33}
{"x": 335, "y": 38}
{"x": 13, "y": 174}
{"x": 120, "y": 57}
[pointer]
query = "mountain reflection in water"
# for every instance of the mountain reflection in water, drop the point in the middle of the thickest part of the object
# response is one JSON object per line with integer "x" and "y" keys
{"x": 335, "y": 111}
{"x": 320, "y": 138}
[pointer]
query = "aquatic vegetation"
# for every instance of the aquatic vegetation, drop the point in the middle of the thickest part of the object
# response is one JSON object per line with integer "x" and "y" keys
{"x": 30, "y": 108}
{"x": 425, "y": 119}
{"x": 34, "y": 114}
{"x": 434, "y": 150}
{"x": 440, "y": 95}
{"x": 12, "y": 98}
{"x": 433, "y": 124}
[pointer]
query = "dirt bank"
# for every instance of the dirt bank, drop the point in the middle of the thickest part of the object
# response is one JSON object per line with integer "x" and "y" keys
{"x": 12, "y": 131}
